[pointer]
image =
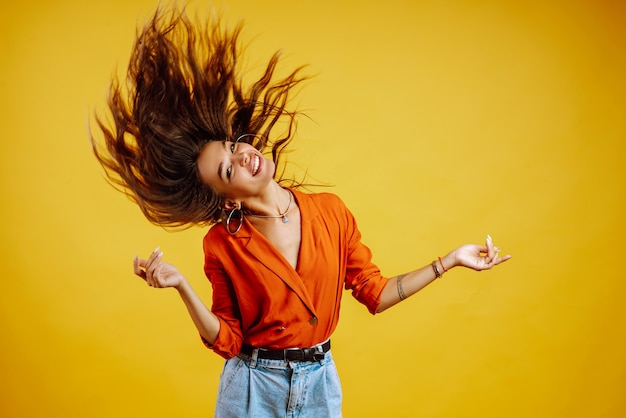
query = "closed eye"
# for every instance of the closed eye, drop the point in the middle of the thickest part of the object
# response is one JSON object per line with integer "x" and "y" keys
{"x": 230, "y": 169}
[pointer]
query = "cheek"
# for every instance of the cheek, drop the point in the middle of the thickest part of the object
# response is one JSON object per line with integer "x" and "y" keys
{"x": 270, "y": 168}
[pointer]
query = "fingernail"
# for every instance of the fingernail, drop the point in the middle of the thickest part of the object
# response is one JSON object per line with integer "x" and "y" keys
{"x": 488, "y": 237}
{"x": 156, "y": 250}
{"x": 160, "y": 254}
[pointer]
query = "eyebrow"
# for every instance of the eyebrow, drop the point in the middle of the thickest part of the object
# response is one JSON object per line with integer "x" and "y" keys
{"x": 219, "y": 168}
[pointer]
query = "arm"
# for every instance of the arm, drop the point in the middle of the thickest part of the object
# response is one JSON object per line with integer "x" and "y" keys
{"x": 159, "y": 274}
{"x": 475, "y": 257}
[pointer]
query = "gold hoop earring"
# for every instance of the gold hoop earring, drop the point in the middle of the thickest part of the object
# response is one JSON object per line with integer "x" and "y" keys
{"x": 246, "y": 135}
{"x": 233, "y": 229}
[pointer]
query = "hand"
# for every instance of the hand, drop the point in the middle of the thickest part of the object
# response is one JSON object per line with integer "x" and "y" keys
{"x": 479, "y": 257}
{"x": 157, "y": 273}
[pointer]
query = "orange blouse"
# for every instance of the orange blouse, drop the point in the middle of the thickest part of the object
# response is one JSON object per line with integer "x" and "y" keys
{"x": 261, "y": 300}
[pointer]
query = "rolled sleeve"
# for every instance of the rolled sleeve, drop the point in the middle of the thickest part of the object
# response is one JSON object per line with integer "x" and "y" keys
{"x": 225, "y": 307}
{"x": 363, "y": 277}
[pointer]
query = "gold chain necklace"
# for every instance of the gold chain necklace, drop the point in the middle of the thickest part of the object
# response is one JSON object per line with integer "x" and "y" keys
{"x": 283, "y": 215}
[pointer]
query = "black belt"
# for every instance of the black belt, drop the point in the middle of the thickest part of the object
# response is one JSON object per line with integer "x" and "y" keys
{"x": 291, "y": 354}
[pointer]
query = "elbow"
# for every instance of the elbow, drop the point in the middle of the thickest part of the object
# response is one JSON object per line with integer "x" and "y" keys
{"x": 382, "y": 307}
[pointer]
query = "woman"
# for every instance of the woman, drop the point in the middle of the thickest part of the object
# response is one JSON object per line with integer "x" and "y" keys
{"x": 186, "y": 143}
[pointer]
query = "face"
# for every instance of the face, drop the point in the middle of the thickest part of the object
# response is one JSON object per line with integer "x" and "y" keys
{"x": 236, "y": 170}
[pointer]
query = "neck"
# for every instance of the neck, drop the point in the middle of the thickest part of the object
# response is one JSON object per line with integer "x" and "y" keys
{"x": 274, "y": 204}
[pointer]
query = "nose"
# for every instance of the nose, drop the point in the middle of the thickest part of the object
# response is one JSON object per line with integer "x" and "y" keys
{"x": 242, "y": 158}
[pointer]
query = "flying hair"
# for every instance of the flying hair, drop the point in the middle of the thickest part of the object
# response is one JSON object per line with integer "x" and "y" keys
{"x": 183, "y": 89}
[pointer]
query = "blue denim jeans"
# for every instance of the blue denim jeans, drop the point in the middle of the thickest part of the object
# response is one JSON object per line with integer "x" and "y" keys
{"x": 263, "y": 388}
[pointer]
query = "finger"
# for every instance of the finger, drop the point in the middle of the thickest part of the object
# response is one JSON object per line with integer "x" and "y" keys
{"x": 491, "y": 252}
{"x": 137, "y": 268}
{"x": 502, "y": 259}
{"x": 481, "y": 249}
{"x": 152, "y": 264}
{"x": 152, "y": 258}
{"x": 154, "y": 282}
{"x": 155, "y": 270}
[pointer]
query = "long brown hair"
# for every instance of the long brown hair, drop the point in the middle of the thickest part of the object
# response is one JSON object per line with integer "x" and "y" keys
{"x": 182, "y": 91}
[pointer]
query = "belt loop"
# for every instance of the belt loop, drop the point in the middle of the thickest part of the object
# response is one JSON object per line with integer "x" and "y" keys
{"x": 253, "y": 357}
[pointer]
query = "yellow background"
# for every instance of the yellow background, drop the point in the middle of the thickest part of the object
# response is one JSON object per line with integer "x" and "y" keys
{"x": 438, "y": 122}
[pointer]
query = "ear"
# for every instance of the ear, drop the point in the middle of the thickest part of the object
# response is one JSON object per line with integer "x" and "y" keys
{"x": 231, "y": 204}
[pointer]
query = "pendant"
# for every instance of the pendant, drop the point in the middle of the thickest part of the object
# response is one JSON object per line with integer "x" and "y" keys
{"x": 285, "y": 219}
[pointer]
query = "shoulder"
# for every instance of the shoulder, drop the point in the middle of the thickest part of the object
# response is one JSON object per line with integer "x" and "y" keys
{"x": 215, "y": 236}
{"x": 320, "y": 200}
{"x": 215, "y": 231}
{"x": 327, "y": 207}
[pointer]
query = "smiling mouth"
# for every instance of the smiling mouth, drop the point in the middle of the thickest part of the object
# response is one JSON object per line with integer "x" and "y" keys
{"x": 256, "y": 165}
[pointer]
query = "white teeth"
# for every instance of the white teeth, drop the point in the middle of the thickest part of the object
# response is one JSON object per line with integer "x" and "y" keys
{"x": 255, "y": 169}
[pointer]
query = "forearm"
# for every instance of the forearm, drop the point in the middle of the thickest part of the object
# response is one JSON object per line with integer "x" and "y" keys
{"x": 205, "y": 321}
{"x": 412, "y": 282}
{"x": 475, "y": 257}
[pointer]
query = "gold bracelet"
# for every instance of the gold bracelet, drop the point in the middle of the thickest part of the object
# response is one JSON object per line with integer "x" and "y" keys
{"x": 434, "y": 265}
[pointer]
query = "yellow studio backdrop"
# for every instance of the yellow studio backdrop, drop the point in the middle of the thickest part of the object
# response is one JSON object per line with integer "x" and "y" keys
{"x": 438, "y": 122}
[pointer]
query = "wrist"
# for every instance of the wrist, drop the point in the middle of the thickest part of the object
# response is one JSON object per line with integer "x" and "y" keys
{"x": 448, "y": 261}
{"x": 182, "y": 286}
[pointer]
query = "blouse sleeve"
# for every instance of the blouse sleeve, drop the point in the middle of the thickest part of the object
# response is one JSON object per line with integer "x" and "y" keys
{"x": 225, "y": 306}
{"x": 363, "y": 277}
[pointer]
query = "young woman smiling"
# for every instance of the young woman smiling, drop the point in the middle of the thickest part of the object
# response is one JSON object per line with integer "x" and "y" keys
{"x": 186, "y": 141}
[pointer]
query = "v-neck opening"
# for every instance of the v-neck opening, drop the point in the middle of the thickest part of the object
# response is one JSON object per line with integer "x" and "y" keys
{"x": 283, "y": 258}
